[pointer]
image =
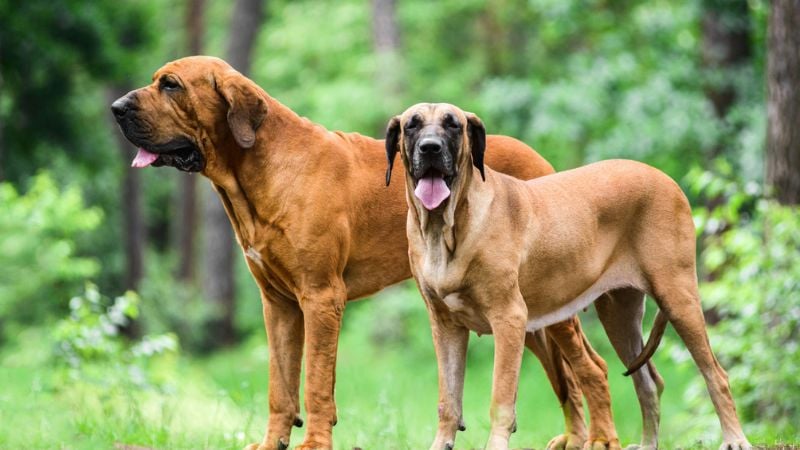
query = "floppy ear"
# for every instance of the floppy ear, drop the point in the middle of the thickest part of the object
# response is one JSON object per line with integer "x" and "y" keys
{"x": 246, "y": 108}
{"x": 477, "y": 139}
{"x": 392, "y": 144}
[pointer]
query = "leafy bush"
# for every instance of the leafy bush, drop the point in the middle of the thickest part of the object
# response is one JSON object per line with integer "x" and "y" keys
{"x": 90, "y": 337}
{"x": 37, "y": 248}
{"x": 750, "y": 250}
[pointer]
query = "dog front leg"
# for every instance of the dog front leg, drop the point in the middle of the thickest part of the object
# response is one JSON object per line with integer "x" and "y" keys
{"x": 284, "y": 323}
{"x": 508, "y": 327}
{"x": 450, "y": 341}
{"x": 322, "y": 312}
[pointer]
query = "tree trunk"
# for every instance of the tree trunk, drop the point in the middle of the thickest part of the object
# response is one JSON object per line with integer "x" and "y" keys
{"x": 219, "y": 246}
{"x": 133, "y": 226}
{"x": 187, "y": 224}
{"x": 783, "y": 104}
{"x": 246, "y": 21}
{"x": 386, "y": 43}
{"x": 2, "y": 162}
{"x": 726, "y": 44}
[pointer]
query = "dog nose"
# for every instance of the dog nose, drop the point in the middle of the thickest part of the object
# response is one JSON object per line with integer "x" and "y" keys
{"x": 120, "y": 106}
{"x": 430, "y": 146}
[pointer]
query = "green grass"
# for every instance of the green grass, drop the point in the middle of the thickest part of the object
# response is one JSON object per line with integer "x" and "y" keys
{"x": 386, "y": 395}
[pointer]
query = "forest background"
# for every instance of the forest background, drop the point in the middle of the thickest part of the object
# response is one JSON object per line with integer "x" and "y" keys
{"x": 127, "y": 316}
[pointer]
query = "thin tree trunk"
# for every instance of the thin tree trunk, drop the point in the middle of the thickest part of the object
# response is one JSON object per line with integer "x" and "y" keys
{"x": 219, "y": 253}
{"x": 133, "y": 227}
{"x": 726, "y": 44}
{"x": 186, "y": 230}
{"x": 385, "y": 33}
{"x": 783, "y": 104}
{"x": 725, "y": 48}
{"x": 248, "y": 16}
{"x": 386, "y": 43}
{"x": 2, "y": 162}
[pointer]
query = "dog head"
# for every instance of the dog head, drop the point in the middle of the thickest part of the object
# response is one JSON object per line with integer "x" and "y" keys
{"x": 193, "y": 106}
{"x": 438, "y": 144}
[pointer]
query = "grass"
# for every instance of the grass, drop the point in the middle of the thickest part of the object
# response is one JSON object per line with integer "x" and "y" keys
{"x": 386, "y": 395}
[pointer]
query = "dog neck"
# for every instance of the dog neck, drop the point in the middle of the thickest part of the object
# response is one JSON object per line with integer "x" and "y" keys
{"x": 439, "y": 228}
{"x": 245, "y": 177}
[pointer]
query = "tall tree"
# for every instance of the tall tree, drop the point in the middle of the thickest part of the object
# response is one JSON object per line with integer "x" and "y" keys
{"x": 726, "y": 44}
{"x": 783, "y": 104}
{"x": 186, "y": 227}
{"x": 1, "y": 132}
{"x": 133, "y": 227}
{"x": 386, "y": 43}
{"x": 219, "y": 253}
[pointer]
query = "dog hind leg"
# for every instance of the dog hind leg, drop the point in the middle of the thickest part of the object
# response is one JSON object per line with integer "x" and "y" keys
{"x": 621, "y": 313}
{"x": 679, "y": 299}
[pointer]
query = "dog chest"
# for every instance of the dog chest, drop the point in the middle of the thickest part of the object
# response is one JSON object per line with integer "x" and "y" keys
{"x": 465, "y": 312}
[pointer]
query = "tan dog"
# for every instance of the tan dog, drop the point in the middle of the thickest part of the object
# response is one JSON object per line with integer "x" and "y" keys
{"x": 504, "y": 256}
{"x": 315, "y": 227}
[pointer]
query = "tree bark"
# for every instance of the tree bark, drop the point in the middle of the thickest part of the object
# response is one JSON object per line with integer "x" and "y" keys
{"x": 783, "y": 104}
{"x": 386, "y": 43}
{"x": 2, "y": 155}
{"x": 219, "y": 247}
{"x": 133, "y": 226}
{"x": 246, "y": 21}
{"x": 187, "y": 224}
{"x": 726, "y": 44}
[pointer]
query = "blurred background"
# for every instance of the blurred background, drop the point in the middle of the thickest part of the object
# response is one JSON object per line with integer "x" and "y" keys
{"x": 128, "y": 318}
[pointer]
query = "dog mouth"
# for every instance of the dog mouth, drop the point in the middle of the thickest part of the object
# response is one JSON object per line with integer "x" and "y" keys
{"x": 433, "y": 188}
{"x": 182, "y": 155}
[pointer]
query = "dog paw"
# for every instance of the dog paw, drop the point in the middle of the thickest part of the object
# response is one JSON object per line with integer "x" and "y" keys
{"x": 442, "y": 444}
{"x": 314, "y": 446}
{"x": 602, "y": 444}
{"x": 279, "y": 445}
{"x": 565, "y": 442}
{"x": 740, "y": 444}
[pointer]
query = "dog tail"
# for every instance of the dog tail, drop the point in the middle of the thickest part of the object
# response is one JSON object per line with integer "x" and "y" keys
{"x": 659, "y": 325}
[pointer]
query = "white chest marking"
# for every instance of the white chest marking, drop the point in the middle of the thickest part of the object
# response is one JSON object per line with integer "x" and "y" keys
{"x": 254, "y": 256}
{"x": 453, "y": 302}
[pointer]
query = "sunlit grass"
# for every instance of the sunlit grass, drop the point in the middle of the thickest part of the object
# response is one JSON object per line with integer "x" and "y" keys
{"x": 386, "y": 396}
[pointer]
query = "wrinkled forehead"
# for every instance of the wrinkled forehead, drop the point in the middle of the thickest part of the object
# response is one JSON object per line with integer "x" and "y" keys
{"x": 192, "y": 68}
{"x": 432, "y": 113}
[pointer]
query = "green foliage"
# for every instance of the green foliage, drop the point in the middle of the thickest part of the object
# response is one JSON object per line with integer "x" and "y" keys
{"x": 90, "y": 340}
{"x": 52, "y": 53}
{"x": 750, "y": 259}
{"x": 173, "y": 306}
{"x": 37, "y": 248}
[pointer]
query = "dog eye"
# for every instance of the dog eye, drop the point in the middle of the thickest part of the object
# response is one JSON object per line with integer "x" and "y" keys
{"x": 169, "y": 84}
{"x": 412, "y": 124}
{"x": 451, "y": 122}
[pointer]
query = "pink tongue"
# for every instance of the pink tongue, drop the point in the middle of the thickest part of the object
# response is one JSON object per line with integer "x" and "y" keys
{"x": 432, "y": 191}
{"x": 144, "y": 158}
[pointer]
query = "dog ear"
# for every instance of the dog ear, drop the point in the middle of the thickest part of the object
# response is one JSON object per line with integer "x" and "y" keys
{"x": 392, "y": 144}
{"x": 246, "y": 108}
{"x": 477, "y": 139}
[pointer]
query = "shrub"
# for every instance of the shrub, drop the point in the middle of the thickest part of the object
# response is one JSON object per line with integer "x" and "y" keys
{"x": 37, "y": 249}
{"x": 89, "y": 338}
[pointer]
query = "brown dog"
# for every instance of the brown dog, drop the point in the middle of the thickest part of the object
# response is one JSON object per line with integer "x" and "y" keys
{"x": 504, "y": 256}
{"x": 315, "y": 227}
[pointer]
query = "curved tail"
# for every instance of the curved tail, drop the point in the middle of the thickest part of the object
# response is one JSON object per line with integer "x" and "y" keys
{"x": 659, "y": 325}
